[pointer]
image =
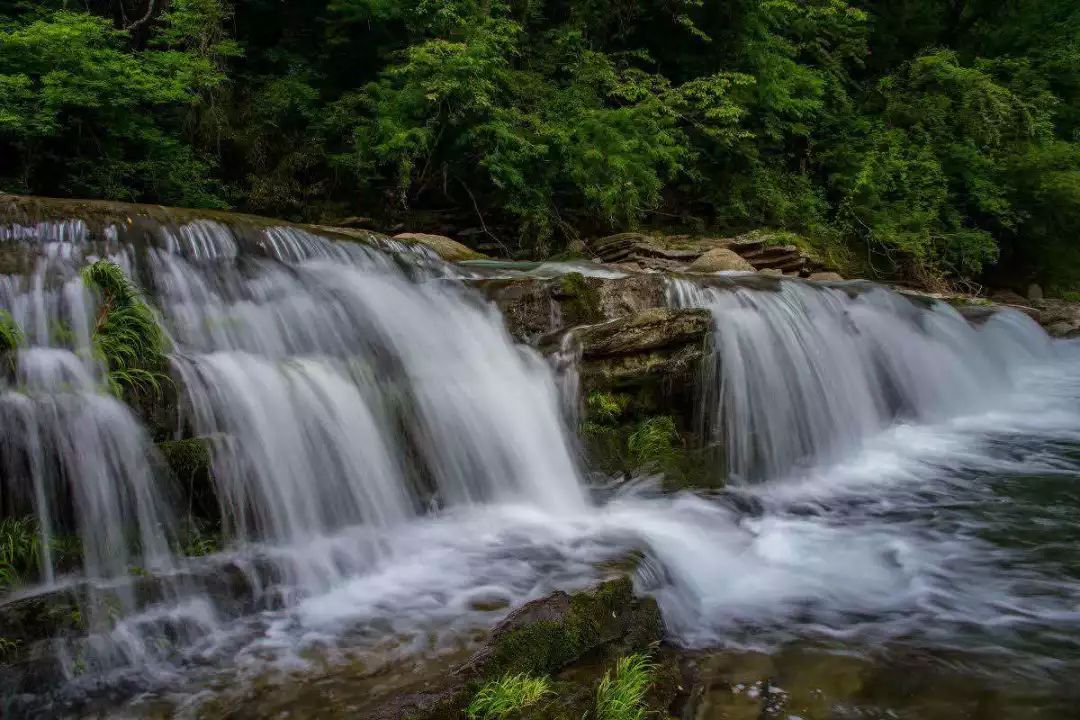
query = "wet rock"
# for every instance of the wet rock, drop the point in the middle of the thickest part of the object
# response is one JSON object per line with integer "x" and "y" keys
{"x": 447, "y": 249}
{"x": 771, "y": 272}
{"x": 189, "y": 463}
{"x": 648, "y": 330}
{"x": 825, "y": 277}
{"x": 546, "y": 635}
{"x": 541, "y": 638}
{"x": 534, "y": 307}
{"x": 719, "y": 260}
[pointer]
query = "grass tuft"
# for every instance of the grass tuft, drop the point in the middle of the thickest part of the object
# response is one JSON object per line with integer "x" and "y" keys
{"x": 501, "y": 698}
{"x": 621, "y": 696}
{"x": 127, "y": 337}
{"x": 652, "y": 444}
{"x": 11, "y": 336}
{"x": 20, "y": 550}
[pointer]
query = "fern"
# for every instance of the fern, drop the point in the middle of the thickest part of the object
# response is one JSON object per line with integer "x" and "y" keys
{"x": 127, "y": 337}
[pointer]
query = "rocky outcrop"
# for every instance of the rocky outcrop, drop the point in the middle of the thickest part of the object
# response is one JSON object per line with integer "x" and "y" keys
{"x": 760, "y": 250}
{"x": 1060, "y": 318}
{"x": 656, "y": 345}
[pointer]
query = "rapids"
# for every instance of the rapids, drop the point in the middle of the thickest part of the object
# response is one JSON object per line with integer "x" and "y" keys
{"x": 393, "y": 473}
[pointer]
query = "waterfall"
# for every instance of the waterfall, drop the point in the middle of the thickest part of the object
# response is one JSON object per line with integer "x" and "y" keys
{"x": 391, "y": 471}
{"x": 340, "y": 387}
{"x": 804, "y": 373}
{"x": 62, "y": 436}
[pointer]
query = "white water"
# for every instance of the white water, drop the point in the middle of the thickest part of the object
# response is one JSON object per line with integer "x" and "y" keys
{"x": 807, "y": 373}
{"x": 61, "y": 435}
{"x": 390, "y": 466}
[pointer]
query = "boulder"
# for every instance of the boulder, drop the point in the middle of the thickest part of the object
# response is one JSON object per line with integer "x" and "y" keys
{"x": 719, "y": 260}
{"x": 825, "y": 277}
{"x": 447, "y": 249}
{"x": 771, "y": 272}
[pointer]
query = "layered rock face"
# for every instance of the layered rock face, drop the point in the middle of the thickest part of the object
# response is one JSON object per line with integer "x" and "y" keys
{"x": 760, "y": 250}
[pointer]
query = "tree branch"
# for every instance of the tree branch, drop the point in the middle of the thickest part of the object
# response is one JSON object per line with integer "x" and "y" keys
{"x": 150, "y": 8}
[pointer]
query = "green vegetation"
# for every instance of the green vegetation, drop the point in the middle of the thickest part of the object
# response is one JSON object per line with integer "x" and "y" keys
{"x": 621, "y": 696}
{"x": 11, "y": 336}
{"x": 20, "y": 550}
{"x": 622, "y": 441}
{"x": 127, "y": 337}
{"x": 934, "y": 140}
{"x": 652, "y": 443}
{"x": 502, "y": 698}
{"x": 594, "y": 617}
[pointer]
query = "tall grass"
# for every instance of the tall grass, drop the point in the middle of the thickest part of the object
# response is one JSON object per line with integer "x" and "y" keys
{"x": 621, "y": 696}
{"x": 127, "y": 337}
{"x": 652, "y": 444}
{"x": 501, "y": 698}
{"x": 11, "y": 336}
{"x": 20, "y": 550}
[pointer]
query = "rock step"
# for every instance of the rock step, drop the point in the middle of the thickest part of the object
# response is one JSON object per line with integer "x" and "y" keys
{"x": 770, "y": 252}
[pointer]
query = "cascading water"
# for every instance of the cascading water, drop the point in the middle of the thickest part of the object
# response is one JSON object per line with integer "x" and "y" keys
{"x": 392, "y": 472}
{"x": 312, "y": 370}
{"x": 804, "y": 373}
{"x": 61, "y": 435}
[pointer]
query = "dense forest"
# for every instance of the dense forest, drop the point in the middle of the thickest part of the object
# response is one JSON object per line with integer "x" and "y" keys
{"x": 933, "y": 140}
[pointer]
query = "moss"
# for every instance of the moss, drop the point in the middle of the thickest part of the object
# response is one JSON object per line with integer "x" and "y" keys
{"x": 187, "y": 459}
{"x": 190, "y": 463}
{"x": 605, "y": 616}
{"x": 578, "y": 300}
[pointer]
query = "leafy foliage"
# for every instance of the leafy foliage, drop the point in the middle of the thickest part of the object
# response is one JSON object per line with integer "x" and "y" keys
{"x": 502, "y": 698}
{"x": 11, "y": 338}
{"x": 20, "y": 550}
{"x": 127, "y": 337}
{"x": 621, "y": 694}
{"x": 923, "y": 139}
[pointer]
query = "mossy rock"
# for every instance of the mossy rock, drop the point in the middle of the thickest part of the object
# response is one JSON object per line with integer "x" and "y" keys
{"x": 190, "y": 463}
{"x": 548, "y": 634}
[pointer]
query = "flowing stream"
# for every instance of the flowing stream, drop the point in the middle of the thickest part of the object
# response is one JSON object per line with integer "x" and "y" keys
{"x": 393, "y": 473}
